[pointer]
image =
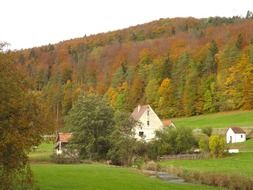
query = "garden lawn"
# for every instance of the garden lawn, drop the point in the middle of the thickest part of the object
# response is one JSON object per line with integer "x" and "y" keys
{"x": 217, "y": 120}
{"x": 239, "y": 164}
{"x": 100, "y": 177}
{"x": 42, "y": 153}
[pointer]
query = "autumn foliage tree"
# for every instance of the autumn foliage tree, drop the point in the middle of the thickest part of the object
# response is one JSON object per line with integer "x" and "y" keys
{"x": 23, "y": 121}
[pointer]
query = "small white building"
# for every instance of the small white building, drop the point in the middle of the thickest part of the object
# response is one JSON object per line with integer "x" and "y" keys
{"x": 147, "y": 122}
{"x": 61, "y": 141}
{"x": 235, "y": 135}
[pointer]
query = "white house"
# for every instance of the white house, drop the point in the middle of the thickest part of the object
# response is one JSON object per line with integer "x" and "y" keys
{"x": 235, "y": 134}
{"x": 147, "y": 122}
{"x": 61, "y": 141}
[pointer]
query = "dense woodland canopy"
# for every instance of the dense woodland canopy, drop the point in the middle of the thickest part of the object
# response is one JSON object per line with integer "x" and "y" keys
{"x": 180, "y": 66}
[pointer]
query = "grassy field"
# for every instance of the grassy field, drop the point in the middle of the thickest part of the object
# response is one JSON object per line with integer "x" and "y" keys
{"x": 100, "y": 177}
{"x": 239, "y": 164}
{"x": 42, "y": 153}
{"x": 93, "y": 176}
{"x": 246, "y": 146}
{"x": 217, "y": 120}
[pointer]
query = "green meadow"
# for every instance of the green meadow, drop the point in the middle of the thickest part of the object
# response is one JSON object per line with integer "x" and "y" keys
{"x": 217, "y": 120}
{"x": 238, "y": 164}
{"x": 51, "y": 176}
{"x": 100, "y": 177}
{"x": 42, "y": 153}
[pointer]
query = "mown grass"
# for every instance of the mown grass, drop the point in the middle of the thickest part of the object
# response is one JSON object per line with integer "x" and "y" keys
{"x": 246, "y": 146}
{"x": 217, "y": 120}
{"x": 100, "y": 177}
{"x": 239, "y": 164}
{"x": 42, "y": 152}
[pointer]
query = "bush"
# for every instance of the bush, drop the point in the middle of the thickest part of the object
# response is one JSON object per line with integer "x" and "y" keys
{"x": 204, "y": 144}
{"x": 217, "y": 145}
{"x": 208, "y": 131}
{"x": 214, "y": 179}
{"x": 157, "y": 148}
{"x": 139, "y": 162}
{"x": 151, "y": 165}
{"x": 174, "y": 141}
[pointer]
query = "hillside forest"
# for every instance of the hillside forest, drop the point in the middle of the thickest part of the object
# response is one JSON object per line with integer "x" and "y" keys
{"x": 180, "y": 66}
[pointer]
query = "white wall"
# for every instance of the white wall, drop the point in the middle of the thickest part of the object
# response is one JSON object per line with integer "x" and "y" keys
{"x": 235, "y": 137}
{"x": 58, "y": 152}
{"x": 148, "y": 130}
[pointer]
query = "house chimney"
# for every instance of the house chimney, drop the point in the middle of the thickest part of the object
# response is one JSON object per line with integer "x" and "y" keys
{"x": 139, "y": 107}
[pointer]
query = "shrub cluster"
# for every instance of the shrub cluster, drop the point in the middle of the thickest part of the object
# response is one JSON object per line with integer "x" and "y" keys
{"x": 151, "y": 165}
{"x": 214, "y": 179}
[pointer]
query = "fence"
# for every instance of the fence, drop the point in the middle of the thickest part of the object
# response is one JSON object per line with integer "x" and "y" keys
{"x": 184, "y": 156}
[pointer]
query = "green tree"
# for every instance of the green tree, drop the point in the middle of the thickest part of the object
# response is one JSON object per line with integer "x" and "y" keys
{"x": 67, "y": 98}
{"x": 179, "y": 78}
{"x": 209, "y": 72}
{"x": 123, "y": 143}
{"x": 120, "y": 75}
{"x": 151, "y": 93}
{"x": 175, "y": 140}
{"x": 191, "y": 89}
{"x": 184, "y": 140}
{"x": 210, "y": 65}
{"x": 91, "y": 121}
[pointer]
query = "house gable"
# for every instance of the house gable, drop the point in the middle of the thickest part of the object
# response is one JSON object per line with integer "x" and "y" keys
{"x": 148, "y": 122}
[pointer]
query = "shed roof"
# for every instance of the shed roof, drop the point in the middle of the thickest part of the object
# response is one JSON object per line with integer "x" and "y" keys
{"x": 237, "y": 130}
{"x": 64, "y": 137}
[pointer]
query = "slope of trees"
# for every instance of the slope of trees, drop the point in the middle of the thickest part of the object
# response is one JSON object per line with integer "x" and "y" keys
{"x": 181, "y": 67}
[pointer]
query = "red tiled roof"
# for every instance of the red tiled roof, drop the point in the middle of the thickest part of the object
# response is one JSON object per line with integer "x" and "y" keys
{"x": 167, "y": 122}
{"x": 237, "y": 130}
{"x": 138, "y": 111}
{"x": 64, "y": 137}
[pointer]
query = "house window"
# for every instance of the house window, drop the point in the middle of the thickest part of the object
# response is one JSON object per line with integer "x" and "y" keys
{"x": 141, "y": 133}
{"x": 241, "y": 136}
{"x": 148, "y": 113}
{"x": 147, "y": 123}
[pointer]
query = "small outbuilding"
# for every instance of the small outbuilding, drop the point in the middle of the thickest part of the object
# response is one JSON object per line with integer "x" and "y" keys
{"x": 61, "y": 142}
{"x": 235, "y": 135}
{"x": 167, "y": 123}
